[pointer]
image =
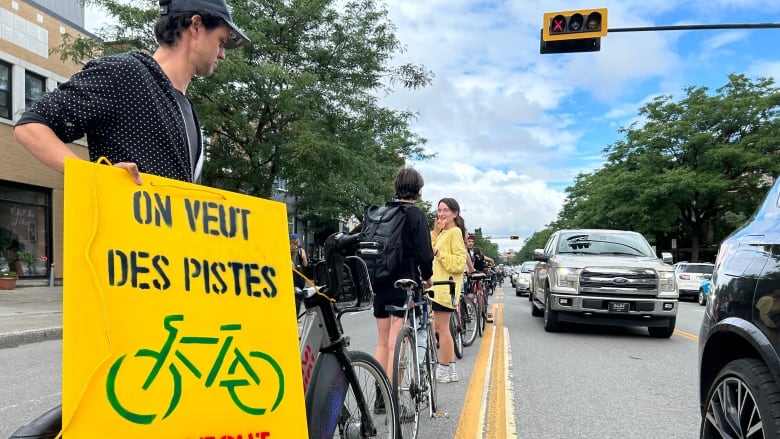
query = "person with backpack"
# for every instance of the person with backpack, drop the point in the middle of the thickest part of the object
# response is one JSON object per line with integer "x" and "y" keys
{"x": 449, "y": 261}
{"x": 405, "y": 252}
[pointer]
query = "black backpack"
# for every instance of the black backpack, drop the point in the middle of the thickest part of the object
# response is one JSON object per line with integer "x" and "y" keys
{"x": 381, "y": 240}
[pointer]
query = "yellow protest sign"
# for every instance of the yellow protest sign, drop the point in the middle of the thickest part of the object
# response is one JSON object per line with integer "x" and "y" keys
{"x": 178, "y": 315}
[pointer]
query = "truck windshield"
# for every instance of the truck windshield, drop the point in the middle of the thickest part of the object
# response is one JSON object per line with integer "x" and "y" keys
{"x": 621, "y": 244}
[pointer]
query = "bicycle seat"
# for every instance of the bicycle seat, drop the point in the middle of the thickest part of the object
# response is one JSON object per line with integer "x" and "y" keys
{"x": 405, "y": 284}
{"x": 478, "y": 275}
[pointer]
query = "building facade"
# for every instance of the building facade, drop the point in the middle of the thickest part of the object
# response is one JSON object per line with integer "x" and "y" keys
{"x": 31, "y": 194}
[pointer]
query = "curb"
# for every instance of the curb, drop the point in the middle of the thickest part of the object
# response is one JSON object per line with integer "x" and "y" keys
{"x": 14, "y": 339}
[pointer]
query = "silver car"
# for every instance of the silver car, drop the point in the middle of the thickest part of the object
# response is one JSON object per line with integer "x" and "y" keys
{"x": 524, "y": 278}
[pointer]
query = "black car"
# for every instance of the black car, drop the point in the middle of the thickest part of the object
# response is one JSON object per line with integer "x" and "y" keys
{"x": 739, "y": 340}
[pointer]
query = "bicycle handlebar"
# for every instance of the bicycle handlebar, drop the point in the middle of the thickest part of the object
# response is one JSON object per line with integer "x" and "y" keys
{"x": 449, "y": 282}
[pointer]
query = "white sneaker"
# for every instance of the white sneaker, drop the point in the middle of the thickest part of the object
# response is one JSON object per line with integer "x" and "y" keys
{"x": 453, "y": 374}
{"x": 443, "y": 374}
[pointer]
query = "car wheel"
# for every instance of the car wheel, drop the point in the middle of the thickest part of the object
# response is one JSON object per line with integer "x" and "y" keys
{"x": 663, "y": 331}
{"x": 518, "y": 293}
{"x": 744, "y": 401}
{"x": 702, "y": 298}
{"x": 550, "y": 316}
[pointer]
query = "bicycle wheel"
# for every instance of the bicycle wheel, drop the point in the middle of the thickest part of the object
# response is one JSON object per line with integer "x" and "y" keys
{"x": 457, "y": 336}
{"x": 406, "y": 382}
{"x": 373, "y": 382}
{"x": 468, "y": 317}
{"x": 483, "y": 309}
{"x": 431, "y": 362}
{"x": 480, "y": 316}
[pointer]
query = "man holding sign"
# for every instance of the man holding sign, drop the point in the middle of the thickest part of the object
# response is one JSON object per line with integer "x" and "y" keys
{"x": 178, "y": 321}
{"x": 132, "y": 107}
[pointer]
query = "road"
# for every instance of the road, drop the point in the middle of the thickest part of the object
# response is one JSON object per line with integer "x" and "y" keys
{"x": 517, "y": 381}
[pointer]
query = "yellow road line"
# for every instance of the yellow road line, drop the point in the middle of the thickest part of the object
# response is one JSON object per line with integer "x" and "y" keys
{"x": 496, "y": 416}
{"x": 469, "y": 426}
{"x": 687, "y": 335}
{"x": 489, "y": 392}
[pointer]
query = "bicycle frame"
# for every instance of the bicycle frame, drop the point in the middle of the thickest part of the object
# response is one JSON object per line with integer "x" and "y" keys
{"x": 325, "y": 361}
{"x": 410, "y": 309}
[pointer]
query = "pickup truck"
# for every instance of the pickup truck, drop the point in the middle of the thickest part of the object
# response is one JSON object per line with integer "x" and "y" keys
{"x": 604, "y": 277}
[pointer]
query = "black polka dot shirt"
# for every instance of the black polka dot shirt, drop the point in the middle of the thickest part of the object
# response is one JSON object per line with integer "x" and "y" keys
{"x": 126, "y": 107}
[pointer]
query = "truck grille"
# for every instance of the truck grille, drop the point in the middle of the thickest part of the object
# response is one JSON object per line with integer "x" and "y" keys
{"x": 640, "y": 282}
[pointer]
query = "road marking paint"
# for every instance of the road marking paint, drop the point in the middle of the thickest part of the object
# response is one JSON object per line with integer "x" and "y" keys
{"x": 469, "y": 426}
{"x": 509, "y": 401}
{"x": 688, "y": 335}
{"x": 490, "y": 389}
{"x": 496, "y": 400}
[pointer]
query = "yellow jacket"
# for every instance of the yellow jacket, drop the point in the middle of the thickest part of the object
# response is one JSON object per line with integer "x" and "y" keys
{"x": 449, "y": 262}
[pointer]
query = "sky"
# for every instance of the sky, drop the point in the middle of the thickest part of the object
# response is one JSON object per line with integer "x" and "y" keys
{"x": 511, "y": 128}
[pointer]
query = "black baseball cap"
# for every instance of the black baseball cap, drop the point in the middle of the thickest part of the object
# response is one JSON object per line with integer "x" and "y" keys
{"x": 215, "y": 7}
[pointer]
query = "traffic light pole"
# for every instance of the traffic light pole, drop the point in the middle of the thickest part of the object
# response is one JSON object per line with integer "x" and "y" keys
{"x": 697, "y": 27}
{"x": 594, "y": 44}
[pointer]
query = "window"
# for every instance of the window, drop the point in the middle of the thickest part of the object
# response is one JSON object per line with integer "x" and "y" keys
{"x": 5, "y": 90}
{"x": 25, "y": 229}
{"x": 34, "y": 87}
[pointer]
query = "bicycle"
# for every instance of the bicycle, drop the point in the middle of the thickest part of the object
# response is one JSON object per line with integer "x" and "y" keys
{"x": 467, "y": 315}
{"x": 415, "y": 385}
{"x": 338, "y": 383}
{"x": 480, "y": 299}
{"x": 456, "y": 329}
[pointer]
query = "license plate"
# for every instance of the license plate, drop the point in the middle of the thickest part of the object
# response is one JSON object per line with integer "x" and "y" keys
{"x": 619, "y": 307}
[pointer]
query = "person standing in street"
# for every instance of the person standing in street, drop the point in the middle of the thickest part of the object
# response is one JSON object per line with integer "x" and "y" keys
{"x": 299, "y": 259}
{"x": 132, "y": 107}
{"x": 449, "y": 261}
{"x": 418, "y": 255}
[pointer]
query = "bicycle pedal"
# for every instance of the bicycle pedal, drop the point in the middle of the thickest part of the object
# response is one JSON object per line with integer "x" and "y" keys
{"x": 440, "y": 415}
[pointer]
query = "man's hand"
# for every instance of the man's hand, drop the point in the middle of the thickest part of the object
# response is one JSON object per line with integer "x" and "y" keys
{"x": 131, "y": 168}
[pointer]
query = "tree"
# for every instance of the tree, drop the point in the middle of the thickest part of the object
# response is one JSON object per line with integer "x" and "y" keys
{"x": 537, "y": 240}
{"x": 692, "y": 168}
{"x": 487, "y": 246}
{"x": 299, "y": 104}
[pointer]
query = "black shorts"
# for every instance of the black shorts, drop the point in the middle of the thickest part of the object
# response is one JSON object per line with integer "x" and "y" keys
{"x": 387, "y": 295}
{"x": 441, "y": 308}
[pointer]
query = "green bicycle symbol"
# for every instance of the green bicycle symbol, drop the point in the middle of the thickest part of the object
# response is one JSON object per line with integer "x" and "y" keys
{"x": 162, "y": 357}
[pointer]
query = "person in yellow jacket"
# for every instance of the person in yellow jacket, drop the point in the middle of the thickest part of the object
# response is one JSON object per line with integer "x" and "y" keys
{"x": 449, "y": 261}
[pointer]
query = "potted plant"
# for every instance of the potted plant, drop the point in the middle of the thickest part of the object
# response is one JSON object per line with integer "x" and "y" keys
{"x": 7, "y": 280}
{"x": 28, "y": 260}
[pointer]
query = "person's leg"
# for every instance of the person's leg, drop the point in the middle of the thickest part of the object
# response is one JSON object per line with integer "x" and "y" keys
{"x": 441, "y": 322}
{"x": 392, "y": 337}
{"x": 382, "y": 347}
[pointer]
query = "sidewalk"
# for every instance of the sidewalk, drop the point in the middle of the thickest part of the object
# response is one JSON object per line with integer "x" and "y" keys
{"x": 29, "y": 314}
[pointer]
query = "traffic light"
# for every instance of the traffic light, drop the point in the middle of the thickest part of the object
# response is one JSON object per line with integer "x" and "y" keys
{"x": 574, "y": 25}
{"x": 573, "y": 31}
{"x": 514, "y": 237}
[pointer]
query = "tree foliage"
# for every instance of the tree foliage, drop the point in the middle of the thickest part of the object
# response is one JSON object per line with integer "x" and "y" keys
{"x": 300, "y": 104}
{"x": 537, "y": 240}
{"x": 691, "y": 168}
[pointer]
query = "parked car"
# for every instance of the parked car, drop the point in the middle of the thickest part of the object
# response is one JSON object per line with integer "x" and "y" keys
{"x": 524, "y": 278}
{"x": 689, "y": 276}
{"x": 704, "y": 289}
{"x": 739, "y": 339}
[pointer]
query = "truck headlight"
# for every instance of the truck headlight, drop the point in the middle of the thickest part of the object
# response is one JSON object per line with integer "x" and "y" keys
{"x": 666, "y": 282}
{"x": 566, "y": 278}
